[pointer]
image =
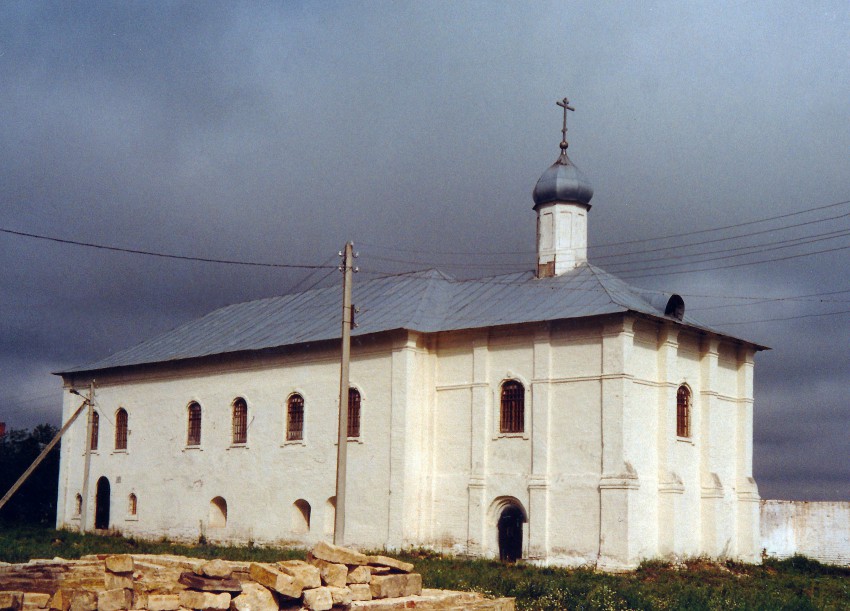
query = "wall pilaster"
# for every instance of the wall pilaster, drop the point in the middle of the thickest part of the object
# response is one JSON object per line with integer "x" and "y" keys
{"x": 670, "y": 487}
{"x": 619, "y": 481}
{"x": 748, "y": 540}
{"x": 405, "y": 451}
{"x": 714, "y": 529}
{"x": 479, "y": 444}
{"x": 538, "y": 481}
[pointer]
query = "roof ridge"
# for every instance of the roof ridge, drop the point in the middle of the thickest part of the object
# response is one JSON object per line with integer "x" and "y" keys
{"x": 598, "y": 274}
{"x": 430, "y": 289}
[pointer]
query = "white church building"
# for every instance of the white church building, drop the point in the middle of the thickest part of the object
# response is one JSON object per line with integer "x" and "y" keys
{"x": 559, "y": 416}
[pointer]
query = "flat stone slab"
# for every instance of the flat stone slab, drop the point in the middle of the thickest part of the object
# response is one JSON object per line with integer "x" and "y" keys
{"x": 270, "y": 577}
{"x": 396, "y": 585}
{"x": 338, "y": 555}
{"x": 216, "y": 568}
{"x": 120, "y": 563}
{"x": 438, "y": 600}
{"x": 209, "y": 584}
{"x": 391, "y": 563}
{"x": 309, "y": 575}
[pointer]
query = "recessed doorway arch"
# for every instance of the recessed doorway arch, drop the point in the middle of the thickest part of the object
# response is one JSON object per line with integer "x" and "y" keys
{"x": 101, "y": 504}
{"x": 509, "y": 518}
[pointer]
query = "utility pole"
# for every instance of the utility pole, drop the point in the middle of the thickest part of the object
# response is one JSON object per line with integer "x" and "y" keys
{"x": 84, "y": 510}
{"x": 43, "y": 455}
{"x": 347, "y": 268}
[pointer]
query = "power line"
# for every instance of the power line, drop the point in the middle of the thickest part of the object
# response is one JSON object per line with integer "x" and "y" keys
{"x": 790, "y": 241}
{"x": 626, "y": 242}
{"x": 752, "y": 322}
{"x": 753, "y": 250}
{"x": 726, "y": 239}
{"x": 733, "y": 226}
{"x": 327, "y": 262}
{"x": 707, "y": 269}
{"x": 761, "y": 300}
{"x": 149, "y": 253}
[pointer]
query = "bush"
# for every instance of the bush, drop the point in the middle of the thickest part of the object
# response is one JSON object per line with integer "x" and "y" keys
{"x": 35, "y": 501}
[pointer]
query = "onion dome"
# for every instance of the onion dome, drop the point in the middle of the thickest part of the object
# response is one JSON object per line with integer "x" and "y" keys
{"x": 563, "y": 182}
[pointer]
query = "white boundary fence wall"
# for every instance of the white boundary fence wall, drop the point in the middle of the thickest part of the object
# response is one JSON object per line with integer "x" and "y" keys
{"x": 817, "y": 530}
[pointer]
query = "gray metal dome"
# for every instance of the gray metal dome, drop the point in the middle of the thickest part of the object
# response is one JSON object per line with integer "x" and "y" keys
{"x": 563, "y": 182}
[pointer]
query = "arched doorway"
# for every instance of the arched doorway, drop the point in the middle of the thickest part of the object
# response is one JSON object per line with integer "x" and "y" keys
{"x": 510, "y": 533}
{"x": 101, "y": 504}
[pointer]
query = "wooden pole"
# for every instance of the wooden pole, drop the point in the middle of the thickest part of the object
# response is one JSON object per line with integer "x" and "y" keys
{"x": 84, "y": 509}
{"x": 342, "y": 438}
{"x": 41, "y": 456}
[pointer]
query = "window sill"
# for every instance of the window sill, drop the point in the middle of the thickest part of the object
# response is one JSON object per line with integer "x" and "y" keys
{"x": 92, "y": 453}
{"x": 293, "y": 442}
{"x": 193, "y": 449}
{"x": 238, "y": 446}
{"x": 688, "y": 440}
{"x": 351, "y": 440}
{"x": 511, "y": 436}
{"x": 119, "y": 452}
{"x": 131, "y": 519}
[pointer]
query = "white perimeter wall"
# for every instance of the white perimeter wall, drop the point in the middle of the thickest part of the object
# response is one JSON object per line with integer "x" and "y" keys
{"x": 817, "y": 530}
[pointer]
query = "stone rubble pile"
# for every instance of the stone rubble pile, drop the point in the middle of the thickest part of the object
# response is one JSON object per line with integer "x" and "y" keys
{"x": 333, "y": 577}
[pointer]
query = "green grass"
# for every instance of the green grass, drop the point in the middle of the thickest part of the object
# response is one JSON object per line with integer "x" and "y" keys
{"x": 22, "y": 543}
{"x": 797, "y": 583}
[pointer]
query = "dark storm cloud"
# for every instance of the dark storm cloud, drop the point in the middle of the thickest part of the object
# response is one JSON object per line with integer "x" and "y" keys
{"x": 275, "y": 131}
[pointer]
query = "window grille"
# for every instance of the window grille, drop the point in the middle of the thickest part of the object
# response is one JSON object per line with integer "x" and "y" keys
{"x": 353, "y": 412}
{"x": 194, "y": 435}
{"x": 512, "y": 407}
{"x": 121, "y": 429}
{"x": 295, "y": 418}
{"x": 95, "y": 429}
{"x": 240, "y": 421}
{"x": 683, "y": 412}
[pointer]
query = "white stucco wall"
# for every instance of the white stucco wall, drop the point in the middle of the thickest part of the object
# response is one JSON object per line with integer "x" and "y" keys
{"x": 817, "y": 530}
{"x": 261, "y": 480}
{"x": 597, "y": 471}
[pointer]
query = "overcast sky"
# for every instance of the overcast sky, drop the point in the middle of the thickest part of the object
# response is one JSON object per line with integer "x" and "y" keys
{"x": 275, "y": 132}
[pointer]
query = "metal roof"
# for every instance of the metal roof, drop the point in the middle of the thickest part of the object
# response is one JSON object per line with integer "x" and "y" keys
{"x": 427, "y": 301}
{"x": 562, "y": 182}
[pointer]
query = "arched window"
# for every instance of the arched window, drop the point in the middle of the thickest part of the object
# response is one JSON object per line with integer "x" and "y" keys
{"x": 240, "y": 421}
{"x": 95, "y": 429}
{"x": 131, "y": 505}
{"x": 193, "y": 438}
{"x": 218, "y": 513}
{"x": 683, "y": 412}
{"x": 78, "y": 505}
{"x": 353, "y": 412}
{"x": 295, "y": 418}
{"x": 301, "y": 517}
{"x": 512, "y": 417}
{"x": 121, "y": 429}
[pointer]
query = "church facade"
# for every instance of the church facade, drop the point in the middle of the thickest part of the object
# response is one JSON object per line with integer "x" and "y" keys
{"x": 559, "y": 416}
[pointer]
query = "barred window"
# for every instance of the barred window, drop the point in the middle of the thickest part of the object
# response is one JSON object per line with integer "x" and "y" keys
{"x": 512, "y": 418}
{"x": 121, "y": 429}
{"x": 240, "y": 421}
{"x": 95, "y": 429}
{"x": 683, "y": 412}
{"x": 295, "y": 418}
{"x": 353, "y": 412}
{"x": 193, "y": 438}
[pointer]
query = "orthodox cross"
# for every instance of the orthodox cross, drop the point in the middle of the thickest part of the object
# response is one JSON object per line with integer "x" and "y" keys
{"x": 565, "y": 104}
